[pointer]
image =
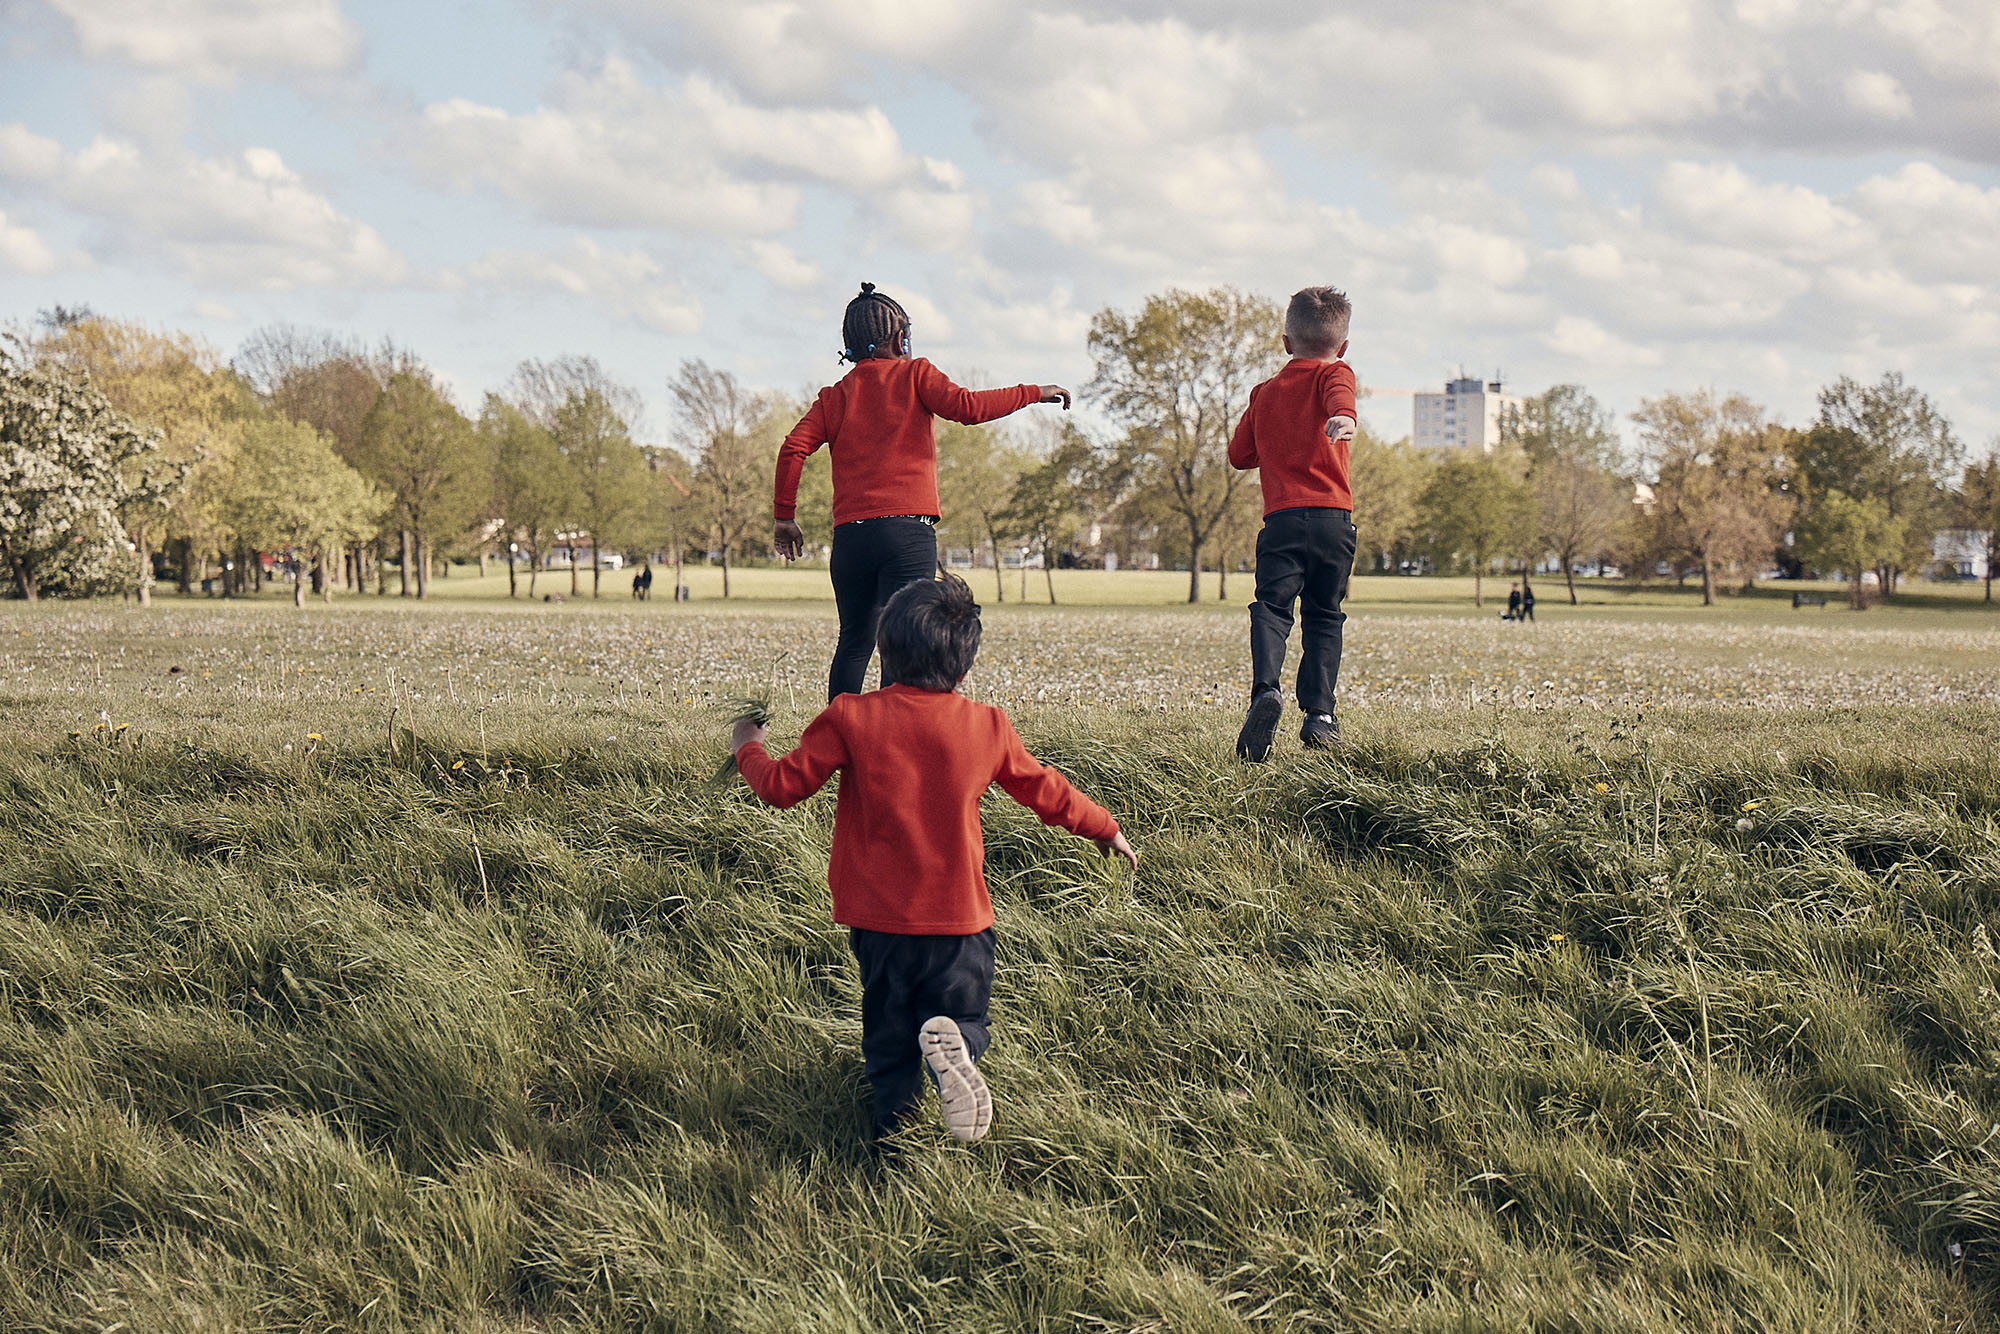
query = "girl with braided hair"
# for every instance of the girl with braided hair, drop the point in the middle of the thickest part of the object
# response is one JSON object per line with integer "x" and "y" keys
{"x": 878, "y": 423}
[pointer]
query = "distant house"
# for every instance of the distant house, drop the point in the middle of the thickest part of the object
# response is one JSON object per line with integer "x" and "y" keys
{"x": 1959, "y": 553}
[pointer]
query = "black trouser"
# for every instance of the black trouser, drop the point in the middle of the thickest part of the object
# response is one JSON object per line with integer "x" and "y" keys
{"x": 904, "y": 981}
{"x": 1302, "y": 555}
{"x": 872, "y": 558}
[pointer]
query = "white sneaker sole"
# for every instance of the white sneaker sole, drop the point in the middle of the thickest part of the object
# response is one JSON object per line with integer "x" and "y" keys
{"x": 968, "y": 1104}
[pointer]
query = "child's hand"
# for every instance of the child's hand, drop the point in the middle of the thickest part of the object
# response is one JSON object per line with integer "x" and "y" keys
{"x": 789, "y": 539}
{"x": 1055, "y": 393}
{"x": 1116, "y": 843}
{"x": 744, "y": 733}
{"x": 1340, "y": 429}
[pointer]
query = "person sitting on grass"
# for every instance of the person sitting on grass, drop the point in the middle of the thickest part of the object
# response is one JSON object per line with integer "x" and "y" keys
{"x": 877, "y": 421}
{"x": 908, "y": 865}
{"x": 1296, "y": 430}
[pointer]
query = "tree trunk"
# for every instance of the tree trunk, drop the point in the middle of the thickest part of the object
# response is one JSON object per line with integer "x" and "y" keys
{"x": 1049, "y": 575}
{"x": 725, "y": 570}
{"x": 482, "y": 562}
{"x": 406, "y": 556}
{"x": 572, "y": 567}
{"x": 597, "y": 565}
{"x": 184, "y": 585}
{"x": 513, "y": 579}
{"x": 423, "y": 553}
{"x": 1194, "y": 572}
{"x": 1222, "y": 578}
{"x": 299, "y": 589}
{"x": 1569, "y": 575}
{"x": 1707, "y": 583}
{"x": 24, "y": 578}
{"x": 1478, "y": 584}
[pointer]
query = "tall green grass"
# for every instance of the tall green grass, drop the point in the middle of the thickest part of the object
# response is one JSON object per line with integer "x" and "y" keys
{"x": 1485, "y": 1023}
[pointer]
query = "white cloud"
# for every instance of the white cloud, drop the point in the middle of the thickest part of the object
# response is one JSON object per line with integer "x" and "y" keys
{"x": 215, "y": 40}
{"x": 1724, "y": 203}
{"x": 782, "y": 266}
{"x": 242, "y": 222}
{"x": 627, "y": 285}
{"x": 1588, "y": 346}
{"x": 22, "y": 251}
{"x": 613, "y": 151}
{"x": 1874, "y": 93}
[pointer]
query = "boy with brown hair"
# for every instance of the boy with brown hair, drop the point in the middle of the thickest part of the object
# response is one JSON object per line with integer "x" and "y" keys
{"x": 908, "y": 866}
{"x": 1296, "y": 431}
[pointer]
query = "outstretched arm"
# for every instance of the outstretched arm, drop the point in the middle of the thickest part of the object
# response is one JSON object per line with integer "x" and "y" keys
{"x": 1055, "y": 799}
{"x": 789, "y": 781}
{"x": 970, "y": 407}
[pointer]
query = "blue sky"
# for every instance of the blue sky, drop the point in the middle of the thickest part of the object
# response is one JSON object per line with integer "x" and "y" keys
{"x": 1754, "y": 196}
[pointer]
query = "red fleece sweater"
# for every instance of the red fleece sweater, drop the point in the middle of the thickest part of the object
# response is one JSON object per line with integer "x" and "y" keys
{"x": 878, "y": 421}
{"x": 908, "y": 852}
{"x": 1283, "y": 434}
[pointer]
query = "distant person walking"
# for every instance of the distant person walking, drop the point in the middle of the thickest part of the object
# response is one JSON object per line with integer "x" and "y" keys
{"x": 642, "y": 583}
{"x": 1527, "y": 601}
{"x": 878, "y": 423}
{"x": 1513, "y": 612}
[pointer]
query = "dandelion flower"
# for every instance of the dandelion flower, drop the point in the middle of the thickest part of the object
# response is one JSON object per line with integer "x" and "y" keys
{"x": 1558, "y": 938}
{"x": 1745, "y": 825}
{"x": 1603, "y": 787}
{"x": 1752, "y": 805}
{"x": 314, "y": 736}
{"x": 456, "y": 765}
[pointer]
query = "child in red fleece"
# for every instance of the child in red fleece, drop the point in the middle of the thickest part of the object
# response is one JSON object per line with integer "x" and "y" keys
{"x": 1296, "y": 431}
{"x": 877, "y": 421}
{"x": 908, "y": 866}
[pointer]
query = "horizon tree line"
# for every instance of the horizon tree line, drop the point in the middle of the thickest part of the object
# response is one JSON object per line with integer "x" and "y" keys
{"x": 131, "y": 455}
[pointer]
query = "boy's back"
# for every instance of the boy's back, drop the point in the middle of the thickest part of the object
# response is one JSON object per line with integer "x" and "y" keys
{"x": 908, "y": 851}
{"x": 1283, "y": 435}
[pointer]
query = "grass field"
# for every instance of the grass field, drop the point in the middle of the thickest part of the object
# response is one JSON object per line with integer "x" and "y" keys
{"x": 392, "y": 967}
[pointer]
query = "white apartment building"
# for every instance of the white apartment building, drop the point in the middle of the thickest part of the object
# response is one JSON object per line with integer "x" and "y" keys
{"x": 1469, "y": 414}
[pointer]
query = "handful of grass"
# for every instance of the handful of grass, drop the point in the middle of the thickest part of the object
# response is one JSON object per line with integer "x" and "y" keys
{"x": 750, "y": 709}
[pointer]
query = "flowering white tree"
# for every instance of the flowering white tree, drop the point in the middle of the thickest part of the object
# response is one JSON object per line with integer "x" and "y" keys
{"x": 69, "y": 466}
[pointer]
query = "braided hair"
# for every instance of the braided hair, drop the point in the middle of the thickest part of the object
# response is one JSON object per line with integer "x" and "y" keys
{"x": 875, "y": 325}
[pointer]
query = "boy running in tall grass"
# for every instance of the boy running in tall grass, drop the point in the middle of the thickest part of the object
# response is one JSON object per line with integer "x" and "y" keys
{"x": 877, "y": 421}
{"x": 1296, "y": 432}
{"x": 908, "y": 866}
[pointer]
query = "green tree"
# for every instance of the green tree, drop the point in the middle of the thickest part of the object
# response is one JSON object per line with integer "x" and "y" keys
{"x": 1849, "y": 535}
{"x": 977, "y": 471}
{"x": 609, "y": 473}
{"x": 1476, "y": 511}
{"x": 1049, "y": 499}
{"x": 330, "y": 383}
{"x": 292, "y": 493}
{"x": 422, "y": 451}
{"x": 1886, "y": 442}
{"x": 1389, "y": 479}
{"x": 1581, "y": 501}
{"x": 733, "y": 436}
{"x": 534, "y": 492}
{"x": 1719, "y": 481}
{"x": 1978, "y": 507}
{"x": 1177, "y": 375}
{"x": 174, "y": 384}
{"x": 70, "y": 466}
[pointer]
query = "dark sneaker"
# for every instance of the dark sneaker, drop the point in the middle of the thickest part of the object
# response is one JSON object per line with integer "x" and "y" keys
{"x": 968, "y": 1104}
{"x": 1260, "y": 728}
{"x": 1320, "y": 731}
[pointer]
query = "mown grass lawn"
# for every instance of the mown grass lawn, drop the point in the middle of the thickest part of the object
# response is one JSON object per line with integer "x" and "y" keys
{"x": 392, "y": 968}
